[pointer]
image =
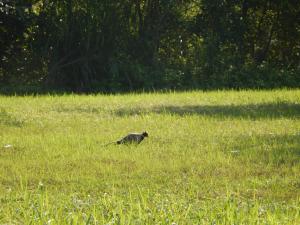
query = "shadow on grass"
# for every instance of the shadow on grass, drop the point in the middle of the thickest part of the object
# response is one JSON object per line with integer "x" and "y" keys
{"x": 9, "y": 120}
{"x": 253, "y": 111}
{"x": 270, "y": 149}
{"x": 271, "y": 164}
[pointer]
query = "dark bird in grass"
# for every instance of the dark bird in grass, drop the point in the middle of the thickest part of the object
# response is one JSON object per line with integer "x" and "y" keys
{"x": 132, "y": 138}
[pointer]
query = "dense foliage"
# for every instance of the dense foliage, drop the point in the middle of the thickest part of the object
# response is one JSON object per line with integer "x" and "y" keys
{"x": 85, "y": 45}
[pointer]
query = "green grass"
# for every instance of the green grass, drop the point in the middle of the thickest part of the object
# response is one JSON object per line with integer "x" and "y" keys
{"x": 222, "y": 157}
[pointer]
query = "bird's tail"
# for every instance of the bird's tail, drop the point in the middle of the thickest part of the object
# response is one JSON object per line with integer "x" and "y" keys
{"x": 110, "y": 143}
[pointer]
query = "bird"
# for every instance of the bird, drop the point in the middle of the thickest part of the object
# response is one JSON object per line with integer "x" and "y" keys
{"x": 132, "y": 138}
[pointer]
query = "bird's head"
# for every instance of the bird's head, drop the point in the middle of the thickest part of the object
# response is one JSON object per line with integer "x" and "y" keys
{"x": 145, "y": 134}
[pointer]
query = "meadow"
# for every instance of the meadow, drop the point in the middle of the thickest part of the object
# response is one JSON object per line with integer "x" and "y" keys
{"x": 217, "y": 157}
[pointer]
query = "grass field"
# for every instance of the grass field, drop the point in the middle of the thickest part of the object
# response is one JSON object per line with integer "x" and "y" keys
{"x": 221, "y": 157}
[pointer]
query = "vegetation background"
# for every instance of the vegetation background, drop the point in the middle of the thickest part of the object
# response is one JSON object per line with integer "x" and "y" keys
{"x": 213, "y": 157}
{"x": 125, "y": 45}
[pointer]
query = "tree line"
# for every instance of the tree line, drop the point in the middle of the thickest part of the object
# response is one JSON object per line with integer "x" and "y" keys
{"x": 124, "y": 45}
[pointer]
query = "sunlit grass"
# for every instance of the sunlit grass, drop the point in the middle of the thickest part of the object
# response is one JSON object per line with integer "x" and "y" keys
{"x": 221, "y": 157}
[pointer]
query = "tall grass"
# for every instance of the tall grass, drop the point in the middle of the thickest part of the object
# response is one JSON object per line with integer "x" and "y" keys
{"x": 222, "y": 157}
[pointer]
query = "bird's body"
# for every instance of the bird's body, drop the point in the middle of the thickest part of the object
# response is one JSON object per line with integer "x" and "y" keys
{"x": 132, "y": 138}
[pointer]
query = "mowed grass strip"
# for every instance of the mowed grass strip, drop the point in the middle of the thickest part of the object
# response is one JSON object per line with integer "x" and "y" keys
{"x": 220, "y": 157}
